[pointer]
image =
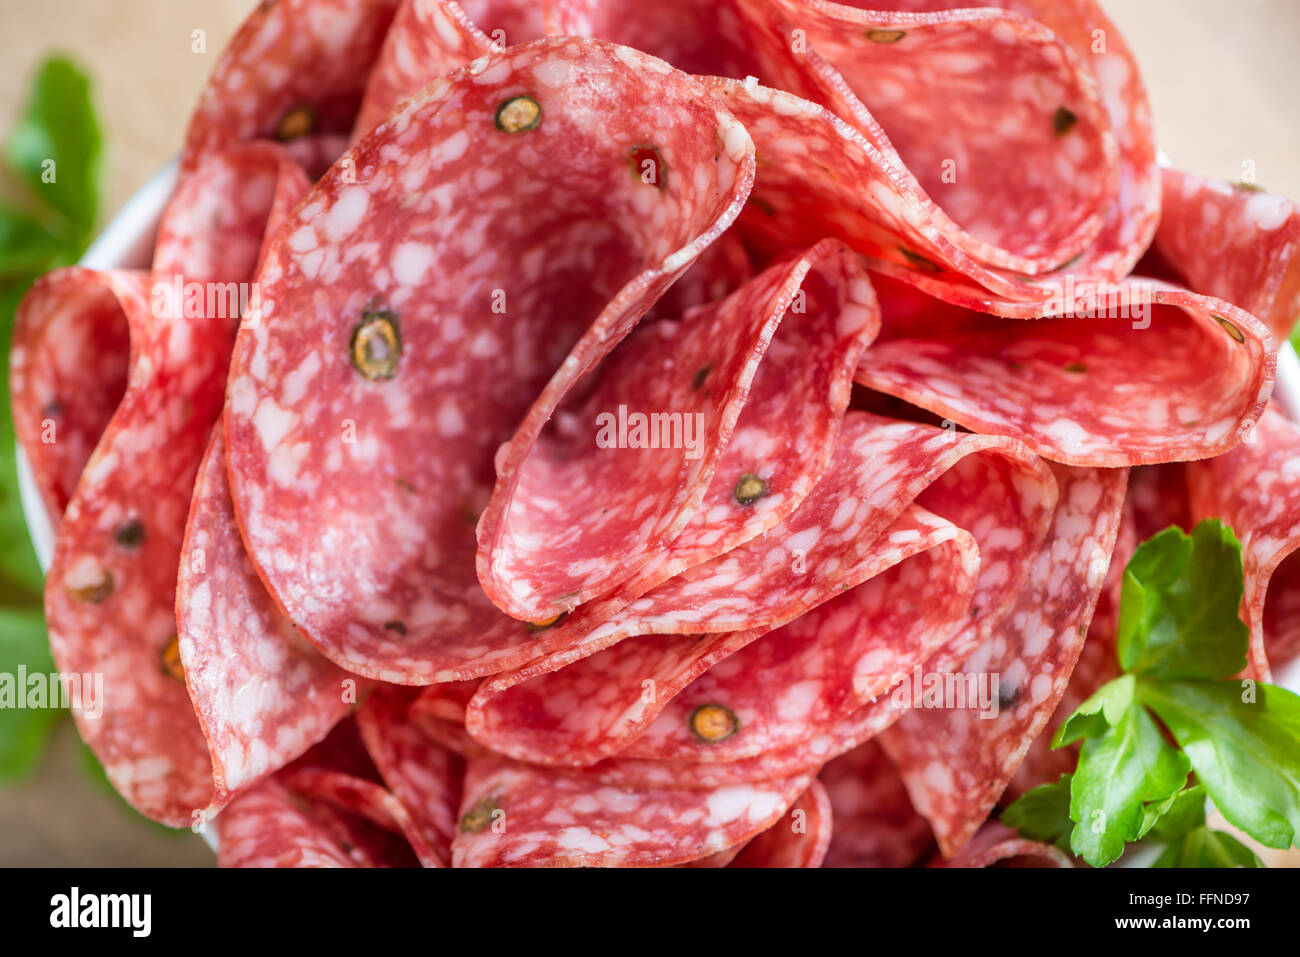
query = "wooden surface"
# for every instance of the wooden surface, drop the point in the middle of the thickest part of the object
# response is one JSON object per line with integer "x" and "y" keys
{"x": 1223, "y": 78}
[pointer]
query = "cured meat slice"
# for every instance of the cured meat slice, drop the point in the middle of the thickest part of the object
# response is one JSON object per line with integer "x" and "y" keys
{"x": 266, "y": 827}
{"x": 799, "y": 839}
{"x": 423, "y": 776}
{"x": 955, "y": 761}
{"x": 110, "y": 589}
{"x": 723, "y": 38}
{"x": 366, "y": 541}
{"x": 1233, "y": 241}
{"x": 262, "y": 693}
{"x": 566, "y": 709}
{"x": 366, "y": 800}
{"x": 875, "y": 824}
{"x": 427, "y": 39}
{"x": 1097, "y": 663}
{"x": 446, "y": 701}
{"x": 1252, "y": 489}
{"x": 68, "y": 368}
{"x": 518, "y": 816}
{"x": 582, "y": 504}
{"x": 998, "y": 846}
{"x": 1131, "y": 221}
{"x": 207, "y": 246}
{"x": 294, "y": 68}
{"x": 880, "y": 615}
{"x": 1016, "y": 107}
{"x": 1186, "y": 379}
{"x": 1160, "y": 498}
{"x": 111, "y": 586}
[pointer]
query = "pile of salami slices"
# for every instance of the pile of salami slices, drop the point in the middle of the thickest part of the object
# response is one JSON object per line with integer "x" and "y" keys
{"x": 633, "y": 408}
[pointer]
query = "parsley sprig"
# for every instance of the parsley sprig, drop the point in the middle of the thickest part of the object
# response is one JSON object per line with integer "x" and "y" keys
{"x": 1179, "y": 643}
{"x": 52, "y": 162}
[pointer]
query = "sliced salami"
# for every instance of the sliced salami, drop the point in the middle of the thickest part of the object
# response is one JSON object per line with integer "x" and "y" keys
{"x": 294, "y": 69}
{"x": 1253, "y": 490}
{"x": 427, "y": 39}
{"x": 517, "y": 816}
{"x": 365, "y": 799}
{"x": 1233, "y": 241}
{"x": 956, "y": 760}
{"x": 1016, "y": 107}
{"x": 111, "y": 586}
{"x": 585, "y": 503}
{"x": 262, "y": 693}
{"x": 423, "y": 776}
{"x": 360, "y": 417}
{"x": 998, "y": 846}
{"x": 799, "y": 839}
{"x": 266, "y": 827}
{"x": 1185, "y": 379}
{"x": 875, "y": 824}
{"x": 879, "y": 467}
{"x": 68, "y": 368}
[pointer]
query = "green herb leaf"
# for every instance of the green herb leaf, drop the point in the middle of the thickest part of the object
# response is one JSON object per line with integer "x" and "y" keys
{"x": 1178, "y": 613}
{"x": 1119, "y": 771}
{"x": 23, "y": 730}
{"x": 55, "y": 149}
{"x": 1043, "y": 814}
{"x": 1101, "y": 712}
{"x": 1202, "y": 847}
{"x": 1181, "y": 814}
{"x": 26, "y": 247}
{"x": 1245, "y": 752}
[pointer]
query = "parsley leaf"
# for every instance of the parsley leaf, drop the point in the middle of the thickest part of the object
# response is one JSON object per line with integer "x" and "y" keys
{"x": 1105, "y": 709}
{"x": 1043, "y": 814}
{"x": 1245, "y": 752}
{"x": 55, "y": 149}
{"x": 23, "y": 730}
{"x": 1129, "y": 765}
{"x": 55, "y": 153}
{"x": 1202, "y": 847}
{"x": 1178, "y": 613}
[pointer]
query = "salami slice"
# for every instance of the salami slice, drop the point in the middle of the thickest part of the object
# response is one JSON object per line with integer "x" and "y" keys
{"x": 1186, "y": 378}
{"x": 1252, "y": 489}
{"x": 68, "y": 370}
{"x": 585, "y": 503}
{"x": 799, "y": 839}
{"x": 1130, "y": 222}
{"x": 207, "y": 247}
{"x": 1016, "y": 107}
{"x": 1097, "y": 664}
{"x": 446, "y": 701}
{"x": 517, "y": 816}
{"x": 1233, "y": 241}
{"x": 427, "y": 39}
{"x": 266, "y": 827}
{"x": 363, "y": 419}
{"x": 879, "y": 467}
{"x": 294, "y": 69}
{"x": 956, "y": 761}
{"x": 723, "y": 38}
{"x": 366, "y": 800}
{"x": 998, "y": 846}
{"x": 423, "y": 776}
{"x": 111, "y": 586}
{"x": 262, "y": 693}
{"x": 875, "y": 824}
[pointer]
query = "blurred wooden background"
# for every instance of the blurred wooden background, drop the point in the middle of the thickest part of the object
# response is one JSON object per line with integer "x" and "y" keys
{"x": 1223, "y": 77}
